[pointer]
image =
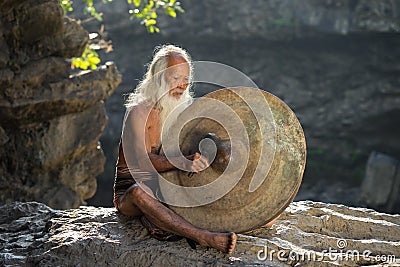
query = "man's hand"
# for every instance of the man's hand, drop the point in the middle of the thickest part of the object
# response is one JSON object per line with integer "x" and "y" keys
{"x": 199, "y": 163}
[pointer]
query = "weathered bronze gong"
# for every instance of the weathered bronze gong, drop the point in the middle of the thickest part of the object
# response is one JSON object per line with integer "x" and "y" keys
{"x": 242, "y": 208}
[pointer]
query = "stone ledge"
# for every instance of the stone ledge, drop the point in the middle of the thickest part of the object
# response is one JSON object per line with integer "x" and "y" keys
{"x": 30, "y": 104}
{"x": 34, "y": 234}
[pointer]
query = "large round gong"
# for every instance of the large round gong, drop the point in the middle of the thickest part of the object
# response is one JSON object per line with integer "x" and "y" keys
{"x": 272, "y": 144}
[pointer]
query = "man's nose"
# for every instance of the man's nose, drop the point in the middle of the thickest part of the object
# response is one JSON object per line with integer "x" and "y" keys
{"x": 182, "y": 85}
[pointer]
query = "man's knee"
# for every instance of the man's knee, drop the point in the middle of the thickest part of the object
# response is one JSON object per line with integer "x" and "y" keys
{"x": 135, "y": 192}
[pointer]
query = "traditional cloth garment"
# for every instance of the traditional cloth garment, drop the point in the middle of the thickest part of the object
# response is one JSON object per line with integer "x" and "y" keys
{"x": 126, "y": 177}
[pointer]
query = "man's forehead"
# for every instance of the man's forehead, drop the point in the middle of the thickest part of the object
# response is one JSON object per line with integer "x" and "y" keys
{"x": 176, "y": 59}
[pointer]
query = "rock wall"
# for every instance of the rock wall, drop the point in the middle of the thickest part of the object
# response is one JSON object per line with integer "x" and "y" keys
{"x": 306, "y": 234}
{"x": 334, "y": 62}
{"x": 51, "y": 119}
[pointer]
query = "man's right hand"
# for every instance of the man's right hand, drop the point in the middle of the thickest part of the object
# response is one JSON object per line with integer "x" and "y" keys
{"x": 199, "y": 163}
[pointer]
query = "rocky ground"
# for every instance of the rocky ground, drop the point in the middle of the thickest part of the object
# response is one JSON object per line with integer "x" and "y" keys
{"x": 306, "y": 234}
{"x": 50, "y": 118}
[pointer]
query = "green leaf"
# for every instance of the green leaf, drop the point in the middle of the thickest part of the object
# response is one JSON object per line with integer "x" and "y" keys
{"x": 93, "y": 66}
{"x": 98, "y": 17}
{"x": 151, "y": 4}
{"x": 89, "y": 58}
{"x": 94, "y": 60}
{"x": 170, "y": 11}
{"x": 89, "y": 3}
{"x": 178, "y": 8}
{"x": 150, "y": 22}
{"x": 79, "y": 63}
{"x": 66, "y": 6}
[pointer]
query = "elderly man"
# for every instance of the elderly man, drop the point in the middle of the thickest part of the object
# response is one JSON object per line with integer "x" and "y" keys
{"x": 165, "y": 86}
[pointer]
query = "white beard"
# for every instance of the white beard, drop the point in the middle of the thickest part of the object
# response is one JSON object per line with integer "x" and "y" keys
{"x": 170, "y": 106}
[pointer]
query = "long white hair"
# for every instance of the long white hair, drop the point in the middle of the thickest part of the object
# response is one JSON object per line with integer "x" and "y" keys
{"x": 153, "y": 85}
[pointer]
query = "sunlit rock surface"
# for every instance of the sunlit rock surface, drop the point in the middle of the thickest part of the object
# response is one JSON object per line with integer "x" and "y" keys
{"x": 306, "y": 234}
{"x": 50, "y": 119}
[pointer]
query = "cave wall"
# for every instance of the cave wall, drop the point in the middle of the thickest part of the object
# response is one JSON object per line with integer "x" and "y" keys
{"x": 50, "y": 118}
{"x": 335, "y": 63}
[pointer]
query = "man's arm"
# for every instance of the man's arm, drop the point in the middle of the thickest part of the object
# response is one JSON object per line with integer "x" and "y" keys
{"x": 162, "y": 164}
{"x": 196, "y": 163}
{"x": 136, "y": 137}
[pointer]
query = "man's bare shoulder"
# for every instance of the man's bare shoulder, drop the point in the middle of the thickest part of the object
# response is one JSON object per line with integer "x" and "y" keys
{"x": 140, "y": 109}
{"x": 141, "y": 112}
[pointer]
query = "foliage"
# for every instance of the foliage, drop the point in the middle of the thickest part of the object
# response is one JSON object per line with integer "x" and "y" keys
{"x": 146, "y": 11}
{"x": 89, "y": 58}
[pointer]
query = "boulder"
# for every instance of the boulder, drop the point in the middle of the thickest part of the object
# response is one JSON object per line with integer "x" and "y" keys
{"x": 51, "y": 118}
{"x": 306, "y": 234}
{"x": 381, "y": 185}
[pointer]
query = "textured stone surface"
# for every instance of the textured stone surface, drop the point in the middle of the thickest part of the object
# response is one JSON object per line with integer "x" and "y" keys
{"x": 381, "y": 185}
{"x": 51, "y": 119}
{"x": 33, "y": 234}
{"x": 24, "y": 102}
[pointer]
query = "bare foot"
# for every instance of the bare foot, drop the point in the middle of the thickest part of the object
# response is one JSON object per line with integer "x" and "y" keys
{"x": 224, "y": 242}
